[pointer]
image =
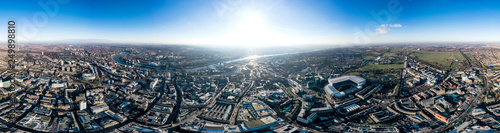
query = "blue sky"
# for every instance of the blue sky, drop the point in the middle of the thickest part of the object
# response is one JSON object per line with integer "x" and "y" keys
{"x": 255, "y": 22}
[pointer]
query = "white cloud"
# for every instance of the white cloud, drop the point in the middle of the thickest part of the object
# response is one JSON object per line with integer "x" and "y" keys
{"x": 385, "y": 28}
{"x": 382, "y": 30}
{"x": 395, "y": 25}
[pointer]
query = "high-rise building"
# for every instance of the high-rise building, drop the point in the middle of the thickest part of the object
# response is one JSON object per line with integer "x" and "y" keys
{"x": 83, "y": 105}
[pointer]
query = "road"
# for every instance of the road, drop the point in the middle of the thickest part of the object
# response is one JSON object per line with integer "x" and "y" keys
{"x": 236, "y": 108}
{"x": 24, "y": 115}
{"x": 115, "y": 75}
{"x": 467, "y": 58}
{"x": 141, "y": 113}
{"x": 176, "y": 109}
{"x": 466, "y": 112}
{"x": 473, "y": 103}
{"x": 196, "y": 113}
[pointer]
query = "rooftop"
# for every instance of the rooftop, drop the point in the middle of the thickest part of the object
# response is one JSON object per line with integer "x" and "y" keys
{"x": 355, "y": 79}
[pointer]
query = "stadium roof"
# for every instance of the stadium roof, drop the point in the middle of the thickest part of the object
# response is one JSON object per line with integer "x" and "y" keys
{"x": 355, "y": 79}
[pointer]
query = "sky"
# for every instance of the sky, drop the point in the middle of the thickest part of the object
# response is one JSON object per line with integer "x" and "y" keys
{"x": 253, "y": 22}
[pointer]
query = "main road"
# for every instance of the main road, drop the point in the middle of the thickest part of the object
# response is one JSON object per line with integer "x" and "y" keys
{"x": 176, "y": 109}
{"x": 141, "y": 113}
{"x": 196, "y": 113}
{"x": 467, "y": 111}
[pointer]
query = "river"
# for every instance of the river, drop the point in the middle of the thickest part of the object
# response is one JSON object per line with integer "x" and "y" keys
{"x": 240, "y": 59}
{"x": 117, "y": 58}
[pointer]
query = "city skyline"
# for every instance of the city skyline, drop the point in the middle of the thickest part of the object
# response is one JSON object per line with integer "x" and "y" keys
{"x": 255, "y": 23}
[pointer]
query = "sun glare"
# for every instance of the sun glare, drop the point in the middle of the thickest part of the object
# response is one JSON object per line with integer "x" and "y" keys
{"x": 252, "y": 24}
{"x": 252, "y": 30}
{"x": 252, "y": 57}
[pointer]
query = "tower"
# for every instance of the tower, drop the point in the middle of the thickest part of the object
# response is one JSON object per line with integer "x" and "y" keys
{"x": 406, "y": 62}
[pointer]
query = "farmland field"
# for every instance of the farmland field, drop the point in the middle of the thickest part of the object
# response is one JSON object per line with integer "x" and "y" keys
{"x": 441, "y": 58}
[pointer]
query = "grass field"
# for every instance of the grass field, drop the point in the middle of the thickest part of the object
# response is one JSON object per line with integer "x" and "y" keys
{"x": 393, "y": 52}
{"x": 472, "y": 59}
{"x": 389, "y": 54}
{"x": 375, "y": 53}
{"x": 441, "y": 58}
{"x": 455, "y": 65}
{"x": 368, "y": 57}
{"x": 375, "y": 66}
{"x": 353, "y": 73}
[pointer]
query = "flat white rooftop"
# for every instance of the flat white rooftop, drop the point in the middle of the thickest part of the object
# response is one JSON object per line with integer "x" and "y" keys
{"x": 356, "y": 79}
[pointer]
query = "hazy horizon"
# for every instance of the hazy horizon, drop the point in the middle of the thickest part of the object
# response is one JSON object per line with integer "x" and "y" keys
{"x": 256, "y": 23}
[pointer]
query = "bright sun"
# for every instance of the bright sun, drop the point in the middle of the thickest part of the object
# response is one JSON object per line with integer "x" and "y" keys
{"x": 252, "y": 30}
{"x": 252, "y": 24}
